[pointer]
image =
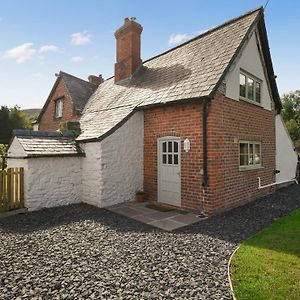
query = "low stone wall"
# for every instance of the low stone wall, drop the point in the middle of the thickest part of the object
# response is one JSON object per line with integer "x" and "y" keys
{"x": 50, "y": 181}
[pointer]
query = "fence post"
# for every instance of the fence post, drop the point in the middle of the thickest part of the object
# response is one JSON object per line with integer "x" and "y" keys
{"x": 9, "y": 189}
{"x": 22, "y": 204}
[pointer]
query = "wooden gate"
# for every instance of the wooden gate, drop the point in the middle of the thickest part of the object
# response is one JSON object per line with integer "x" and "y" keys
{"x": 11, "y": 189}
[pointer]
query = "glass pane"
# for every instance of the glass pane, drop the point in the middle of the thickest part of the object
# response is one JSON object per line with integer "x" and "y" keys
{"x": 243, "y": 154}
{"x": 164, "y": 146}
{"x": 257, "y": 91}
{"x": 257, "y": 158}
{"x": 56, "y": 109}
{"x": 176, "y": 147}
{"x": 242, "y": 85}
{"x": 169, "y": 159}
{"x": 250, "y": 89}
{"x": 169, "y": 147}
{"x": 175, "y": 159}
{"x": 251, "y": 154}
{"x": 164, "y": 158}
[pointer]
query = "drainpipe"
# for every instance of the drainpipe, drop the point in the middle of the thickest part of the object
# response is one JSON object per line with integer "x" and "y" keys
{"x": 204, "y": 141}
{"x": 275, "y": 183}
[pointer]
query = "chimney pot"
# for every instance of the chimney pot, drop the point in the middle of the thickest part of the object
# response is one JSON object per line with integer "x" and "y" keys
{"x": 97, "y": 80}
{"x": 128, "y": 40}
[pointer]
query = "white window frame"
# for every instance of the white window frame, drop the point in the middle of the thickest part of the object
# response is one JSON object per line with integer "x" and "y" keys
{"x": 58, "y": 108}
{"x": 254, "y": 166}
{"x": 255, "y": 80}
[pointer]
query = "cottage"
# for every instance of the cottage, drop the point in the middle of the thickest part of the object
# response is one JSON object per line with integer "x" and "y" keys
{"x": 194, "y": 127}
{"x": 66, "y": 100}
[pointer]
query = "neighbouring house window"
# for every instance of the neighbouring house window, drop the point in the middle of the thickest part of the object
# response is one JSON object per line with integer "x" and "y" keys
{"x": 58, "y": 108}
{"x": 250, "y": 155}
{"x": 250, "y": 88}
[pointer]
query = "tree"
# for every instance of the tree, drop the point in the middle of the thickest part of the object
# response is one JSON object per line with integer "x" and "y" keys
{"x": 291, "y": 113}
{"x": 11, "y": 118}
{"x": 3, "y": 151}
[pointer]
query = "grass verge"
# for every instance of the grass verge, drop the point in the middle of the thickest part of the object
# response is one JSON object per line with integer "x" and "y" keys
{"x": 267, "y": 266}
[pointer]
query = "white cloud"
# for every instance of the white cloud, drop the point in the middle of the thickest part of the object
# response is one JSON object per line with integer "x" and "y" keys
{"x": 77, "y": 59}
{"x": 20, "y": 53}
{"x": 49, "y": 48}
{"x": 182, "y": 37}
{"x": 80, "y": 38}
{"x": 178, "y": 38}
{"x": 203, "y": 30}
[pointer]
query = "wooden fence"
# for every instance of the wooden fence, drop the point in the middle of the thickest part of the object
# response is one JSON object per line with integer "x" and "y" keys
{"x": 11, "y": 189}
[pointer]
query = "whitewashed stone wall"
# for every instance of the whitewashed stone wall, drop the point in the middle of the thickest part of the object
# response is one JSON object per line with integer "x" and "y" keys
{"x": 286, "y": 157}
{"x": 50, "y": 181}
{"x": 112, "y": 170}
{"x": 16, "y": 149}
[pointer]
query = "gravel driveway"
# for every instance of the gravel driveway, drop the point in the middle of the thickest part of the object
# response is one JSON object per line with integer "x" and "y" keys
{"x": 82, "y": 252}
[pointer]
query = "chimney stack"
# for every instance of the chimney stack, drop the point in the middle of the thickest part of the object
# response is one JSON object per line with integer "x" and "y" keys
{"x": 97, "y": 80}
{"x": 128, "y": 39}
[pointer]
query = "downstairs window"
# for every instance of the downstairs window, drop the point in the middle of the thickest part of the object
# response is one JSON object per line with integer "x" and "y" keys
{"x": 250, "y": 155}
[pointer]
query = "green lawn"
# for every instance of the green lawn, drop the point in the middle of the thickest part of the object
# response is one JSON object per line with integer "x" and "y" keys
{"x": 267, "y": 266}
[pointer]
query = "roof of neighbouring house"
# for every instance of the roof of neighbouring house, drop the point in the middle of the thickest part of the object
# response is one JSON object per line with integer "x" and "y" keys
{"x": 192, "y": 70}
{"x": 78, "y": 89}
{"x": 44, "y": 144}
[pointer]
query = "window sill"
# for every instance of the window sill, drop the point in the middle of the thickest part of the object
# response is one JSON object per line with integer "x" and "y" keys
{"x": 250, "y": 101}
{"x": 250, "y": 168}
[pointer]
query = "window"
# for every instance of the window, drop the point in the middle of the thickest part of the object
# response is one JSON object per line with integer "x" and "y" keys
{"x": 170, "y": 153}
{"x": 242, "y": 85}
{"x": 250, "y": 88}
{"x": 58, "y": 108}
{"x": 257, "y": 91}
{"x": 250, "y": 155}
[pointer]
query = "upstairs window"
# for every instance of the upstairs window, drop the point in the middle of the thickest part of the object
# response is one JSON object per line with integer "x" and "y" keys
{"x": 250, "y": 88}
{"x": 250, "y": 155}
{"x": 58, "y": 108}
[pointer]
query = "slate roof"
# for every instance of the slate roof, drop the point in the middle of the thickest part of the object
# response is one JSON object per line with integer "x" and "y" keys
{"x": 191, "y": 70}
{"x": 44, "y": 144}
{"x": 78, "y": 89}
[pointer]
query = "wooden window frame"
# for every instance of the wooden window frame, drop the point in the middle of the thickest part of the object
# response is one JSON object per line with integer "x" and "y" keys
{"x": 254, "y": 165}
{"x": 61, "y": 100}
{"x": 255, "y": 80}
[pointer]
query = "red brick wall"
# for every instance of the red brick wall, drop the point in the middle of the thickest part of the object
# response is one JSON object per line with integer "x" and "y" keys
{"x": 177, "y": 120}
{"x": 48, "y": 122}
{"x": 228, "y": 122}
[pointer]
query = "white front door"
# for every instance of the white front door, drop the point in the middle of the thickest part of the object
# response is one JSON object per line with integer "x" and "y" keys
{"x": 169, "y": 181}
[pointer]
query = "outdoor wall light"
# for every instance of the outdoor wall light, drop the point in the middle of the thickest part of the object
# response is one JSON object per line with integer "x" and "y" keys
{"x": 186, "y": 145}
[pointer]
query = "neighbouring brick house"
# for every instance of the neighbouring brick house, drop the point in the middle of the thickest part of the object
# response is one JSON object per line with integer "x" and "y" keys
{"x": 66, "y": 100}
{"x": 194, "y": 127}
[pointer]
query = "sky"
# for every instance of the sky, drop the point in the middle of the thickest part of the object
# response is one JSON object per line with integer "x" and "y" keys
{"x": 40, "y": 38}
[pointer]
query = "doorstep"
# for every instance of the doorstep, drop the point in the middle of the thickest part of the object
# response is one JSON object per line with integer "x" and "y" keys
{"x": 166, "y": 220}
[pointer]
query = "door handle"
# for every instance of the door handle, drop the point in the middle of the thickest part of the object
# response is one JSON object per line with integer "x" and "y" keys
{"x": 179, "y": 174}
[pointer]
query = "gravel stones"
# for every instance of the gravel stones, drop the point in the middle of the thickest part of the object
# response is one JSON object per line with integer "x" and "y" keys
{"x": 83, "y": 252}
